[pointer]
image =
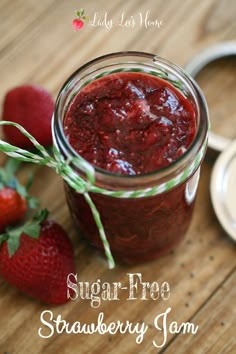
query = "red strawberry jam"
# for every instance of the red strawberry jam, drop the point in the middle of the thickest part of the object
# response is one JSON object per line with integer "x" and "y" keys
{"x": 132, "y": 123}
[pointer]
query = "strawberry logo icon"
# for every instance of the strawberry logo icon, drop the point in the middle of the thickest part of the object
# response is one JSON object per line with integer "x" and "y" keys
{"x": 78, "y": 22}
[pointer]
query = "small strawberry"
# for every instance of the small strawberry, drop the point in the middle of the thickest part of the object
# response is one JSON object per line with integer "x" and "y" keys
{"x": 37, "y": 258}
{"x": 32, "y": 107}
{"x": 14, "y": 198}
{"x": 77, "y": 23}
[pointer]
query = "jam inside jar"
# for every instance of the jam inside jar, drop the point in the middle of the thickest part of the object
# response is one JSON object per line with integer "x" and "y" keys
{"x": 140, "y": 121}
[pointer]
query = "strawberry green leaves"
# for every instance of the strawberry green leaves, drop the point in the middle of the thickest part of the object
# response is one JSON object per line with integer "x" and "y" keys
{"x": 7, "y": 173}
{"x": 12, "y": 166}
{"x": 13, "y": 241}
{"x": 8, "y": 179}
{"x": 32, "y": 202}
{"x": 30, "y": 228}
{"x": 80, "y": 12}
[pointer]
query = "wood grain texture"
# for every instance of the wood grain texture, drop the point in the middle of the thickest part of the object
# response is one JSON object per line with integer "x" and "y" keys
{"x": 38, "y": 44}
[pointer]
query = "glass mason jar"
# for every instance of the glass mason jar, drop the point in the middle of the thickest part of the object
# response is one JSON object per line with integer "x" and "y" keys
{"x": 137, "y": 229}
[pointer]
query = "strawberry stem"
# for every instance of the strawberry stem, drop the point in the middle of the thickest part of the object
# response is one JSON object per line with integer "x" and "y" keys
{"x": 12, "y": 166}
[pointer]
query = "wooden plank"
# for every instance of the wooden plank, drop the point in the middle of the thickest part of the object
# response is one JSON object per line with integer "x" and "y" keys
{"x": 18, "y": 18}
{"x": 217, "y": 322}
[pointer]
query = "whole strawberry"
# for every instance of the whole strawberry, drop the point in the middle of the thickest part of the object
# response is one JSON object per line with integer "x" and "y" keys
{"x": 14, "y": 198}
{"x": 32, "y": 107}
{"x": 77, "y": 23}
{"x": 37, "y": 258}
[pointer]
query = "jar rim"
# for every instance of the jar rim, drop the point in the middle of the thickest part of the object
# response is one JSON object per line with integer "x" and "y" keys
{"x": 60, "y": 139}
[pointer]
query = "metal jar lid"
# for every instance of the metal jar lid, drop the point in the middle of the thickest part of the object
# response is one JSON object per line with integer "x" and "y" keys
{"x": 217, "y": 143}
{"x": 223, "y": 189}
{"x": 223, "y": 178}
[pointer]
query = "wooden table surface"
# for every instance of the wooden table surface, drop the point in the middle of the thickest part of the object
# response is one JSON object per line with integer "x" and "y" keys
{"x": 38, "y": 44}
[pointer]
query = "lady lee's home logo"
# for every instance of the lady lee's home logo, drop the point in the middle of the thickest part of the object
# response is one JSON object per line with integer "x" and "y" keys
{"x": 104, "y": 21}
